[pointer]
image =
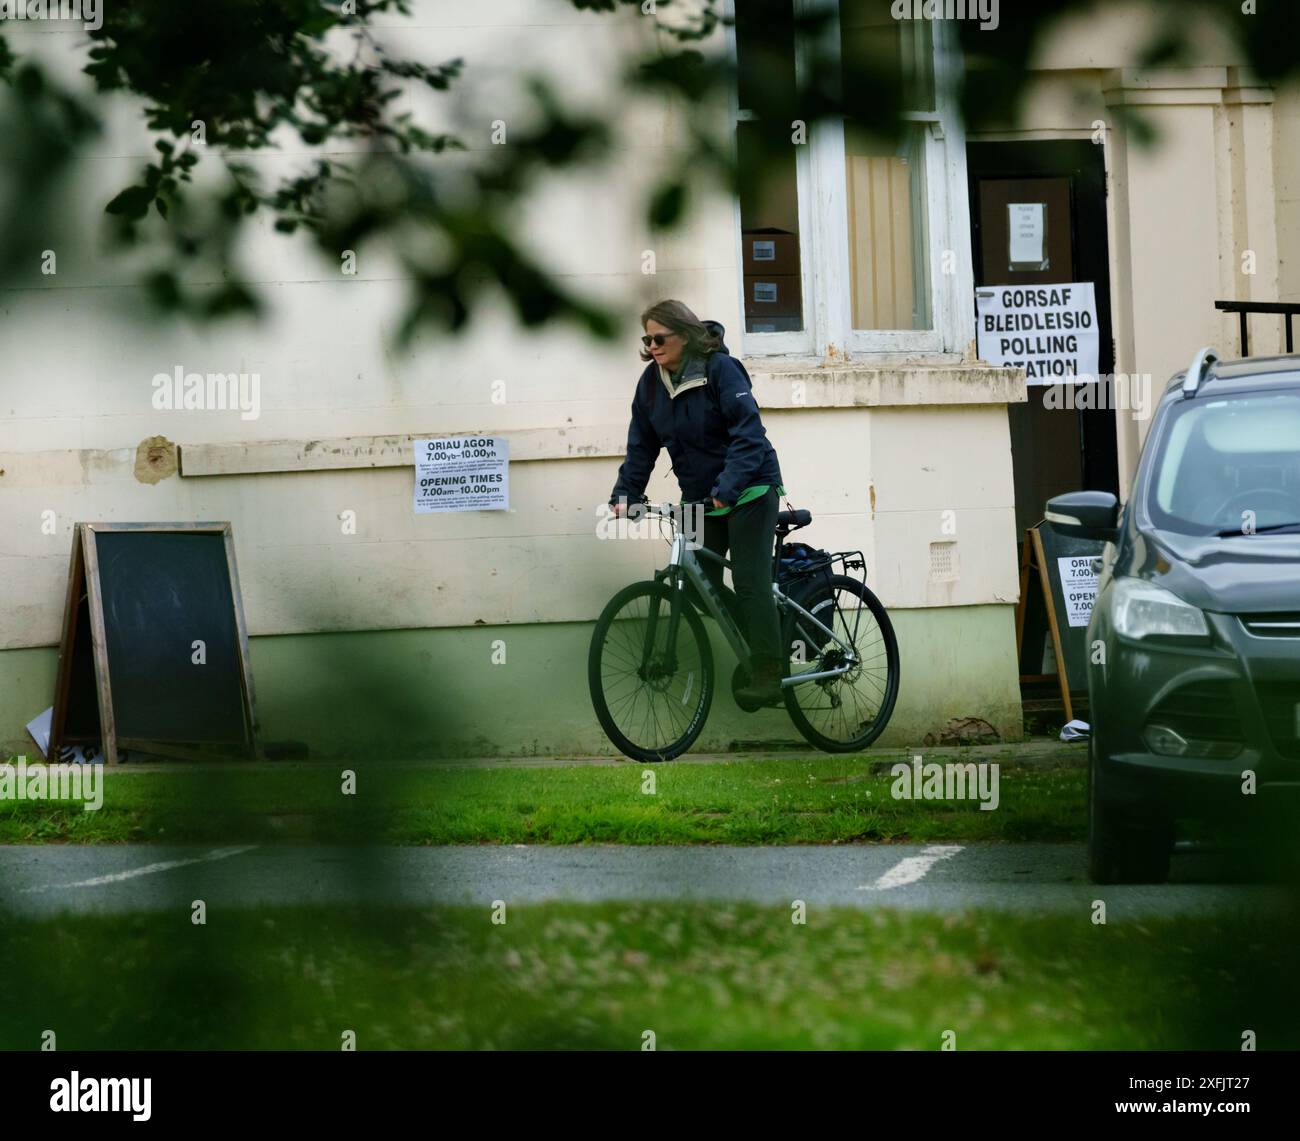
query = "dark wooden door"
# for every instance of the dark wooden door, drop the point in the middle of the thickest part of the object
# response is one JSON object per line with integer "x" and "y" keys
{"x": 1053, "y": 449}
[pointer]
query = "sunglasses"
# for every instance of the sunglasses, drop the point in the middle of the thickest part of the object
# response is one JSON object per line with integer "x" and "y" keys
{"x": 657, "y": 338}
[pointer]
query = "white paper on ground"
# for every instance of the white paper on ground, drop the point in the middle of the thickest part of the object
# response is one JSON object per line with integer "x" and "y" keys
{"x": 39, "y": 728}
{"x": 1076, "y": 730}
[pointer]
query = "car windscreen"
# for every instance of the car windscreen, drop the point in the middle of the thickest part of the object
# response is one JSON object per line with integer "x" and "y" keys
{"x": 1228, "y": 465}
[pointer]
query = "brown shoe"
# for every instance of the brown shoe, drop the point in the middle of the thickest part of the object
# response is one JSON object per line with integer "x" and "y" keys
{"x": 764, "y": 686}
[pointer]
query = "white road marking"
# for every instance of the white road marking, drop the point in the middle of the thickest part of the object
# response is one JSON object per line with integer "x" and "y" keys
{"x": 148, "y": 869}
{"x": 913, "y": 868}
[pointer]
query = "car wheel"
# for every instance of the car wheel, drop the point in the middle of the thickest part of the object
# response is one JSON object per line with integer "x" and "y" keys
{"x": 1124, "y": 847}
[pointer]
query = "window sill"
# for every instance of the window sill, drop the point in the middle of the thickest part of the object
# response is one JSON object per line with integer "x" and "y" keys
{"x": 881, "y": 384}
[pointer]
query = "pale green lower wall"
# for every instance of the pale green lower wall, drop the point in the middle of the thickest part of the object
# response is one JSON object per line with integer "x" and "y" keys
{"x": 436, "y": 692}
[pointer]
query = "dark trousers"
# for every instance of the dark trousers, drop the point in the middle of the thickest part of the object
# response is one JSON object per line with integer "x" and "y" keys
{"x": 749, "y": 532}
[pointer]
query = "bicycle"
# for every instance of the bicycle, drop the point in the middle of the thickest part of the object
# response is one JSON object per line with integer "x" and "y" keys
{"x": 652, "y": 687}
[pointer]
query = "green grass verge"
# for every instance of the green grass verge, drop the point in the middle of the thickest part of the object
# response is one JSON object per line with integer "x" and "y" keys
{"x": 699, "y": 976}
{"x": 820, "y": 800}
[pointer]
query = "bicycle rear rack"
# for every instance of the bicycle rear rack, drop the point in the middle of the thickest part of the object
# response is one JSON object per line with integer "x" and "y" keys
{"x": 851, "y": 560}
{"x": 846, "y": 561}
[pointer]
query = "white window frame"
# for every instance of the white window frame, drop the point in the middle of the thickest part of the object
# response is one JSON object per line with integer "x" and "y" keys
{"x": 802, "y": 343}
{"x": 820, "y": 172}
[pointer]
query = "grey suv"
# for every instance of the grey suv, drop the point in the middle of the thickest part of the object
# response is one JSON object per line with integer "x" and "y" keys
{"x": 1195, "y": 687}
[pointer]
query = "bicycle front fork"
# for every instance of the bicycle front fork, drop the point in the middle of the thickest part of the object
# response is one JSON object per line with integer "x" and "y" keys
{"x": 676, "y": 586}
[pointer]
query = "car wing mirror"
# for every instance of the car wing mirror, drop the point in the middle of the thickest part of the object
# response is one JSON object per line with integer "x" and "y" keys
{"x": 1085, "y": 515}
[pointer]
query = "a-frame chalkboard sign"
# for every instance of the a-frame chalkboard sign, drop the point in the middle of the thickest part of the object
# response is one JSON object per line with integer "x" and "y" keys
{"x": 154, "y": 652}
{"x": 1057, "y": 585}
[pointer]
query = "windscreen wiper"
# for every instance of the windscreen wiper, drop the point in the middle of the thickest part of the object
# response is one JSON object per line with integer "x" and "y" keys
{"x": 1274, "y": 527}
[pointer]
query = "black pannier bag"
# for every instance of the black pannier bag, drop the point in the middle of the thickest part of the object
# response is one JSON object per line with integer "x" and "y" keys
{"x": 804, "y": 570}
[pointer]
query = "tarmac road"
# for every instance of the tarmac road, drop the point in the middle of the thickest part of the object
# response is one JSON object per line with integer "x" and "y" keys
{"x": 1034, "y": 878}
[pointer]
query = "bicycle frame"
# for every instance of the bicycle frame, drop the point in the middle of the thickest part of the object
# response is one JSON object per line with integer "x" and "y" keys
{"x": 684, "y": 567}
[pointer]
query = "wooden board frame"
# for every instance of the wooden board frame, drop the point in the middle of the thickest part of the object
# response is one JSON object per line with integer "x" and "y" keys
{"x": 1032, "y": 558}
{"x": 63, "y": 675}
{"x": 83, "y": 575}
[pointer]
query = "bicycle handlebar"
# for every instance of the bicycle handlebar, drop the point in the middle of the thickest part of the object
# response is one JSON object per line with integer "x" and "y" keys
{"x": 636, "y": 510}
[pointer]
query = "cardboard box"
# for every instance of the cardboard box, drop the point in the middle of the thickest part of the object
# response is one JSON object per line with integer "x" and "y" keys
{"x": 775, "y": 296}
{"x": 769, "y": 252}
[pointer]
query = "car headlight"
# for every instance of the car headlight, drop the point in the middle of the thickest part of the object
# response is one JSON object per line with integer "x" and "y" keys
{"x": 1140, "y": 609}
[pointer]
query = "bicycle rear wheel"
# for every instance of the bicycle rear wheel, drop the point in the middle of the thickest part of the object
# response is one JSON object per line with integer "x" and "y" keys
{"x": 652, "y": 710}
{"x": 845, "y": 713}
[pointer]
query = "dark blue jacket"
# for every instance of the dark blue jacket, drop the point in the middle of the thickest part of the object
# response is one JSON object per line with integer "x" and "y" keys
{"x": 713, "y": 433}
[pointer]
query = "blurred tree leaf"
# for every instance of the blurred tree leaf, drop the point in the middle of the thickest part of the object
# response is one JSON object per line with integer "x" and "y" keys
{"x": 133, "y": 202}
{"x": 668, "y": 205}
{"x": 232, "y": 77}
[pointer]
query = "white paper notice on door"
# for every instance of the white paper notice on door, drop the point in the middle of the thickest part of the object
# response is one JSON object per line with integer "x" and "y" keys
{"x": 1027, "y": 226}
{"x": 462, "y": 473}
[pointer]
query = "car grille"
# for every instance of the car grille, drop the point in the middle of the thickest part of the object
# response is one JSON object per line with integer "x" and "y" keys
{"x": 1272, "y": 625}
{"x": 1203, "y": 710}
{"x": 1279, "y": 701}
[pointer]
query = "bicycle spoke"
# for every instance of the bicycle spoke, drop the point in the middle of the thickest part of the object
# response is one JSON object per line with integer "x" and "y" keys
{"x": 651, "y": 709}
{"x": 843, "y": 708}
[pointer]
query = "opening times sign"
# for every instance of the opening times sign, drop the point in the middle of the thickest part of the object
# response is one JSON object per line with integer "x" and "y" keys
{"x": 462, "y": 473}
{"x": 1048, "y": 330}
{"x": 1078, "y": 586}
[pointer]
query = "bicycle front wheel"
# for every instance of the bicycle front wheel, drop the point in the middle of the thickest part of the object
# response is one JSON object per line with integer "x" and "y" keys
{"x": 844, "y": 713}
{"x": 652, "y": 708}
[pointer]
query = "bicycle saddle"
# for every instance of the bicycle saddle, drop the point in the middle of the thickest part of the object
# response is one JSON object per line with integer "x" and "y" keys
{"x": 800, "y": 518}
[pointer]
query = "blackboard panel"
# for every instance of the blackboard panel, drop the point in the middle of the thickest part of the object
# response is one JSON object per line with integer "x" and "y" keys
{"x": 82, "y": 722}
{"x": 161, "y": 592}
{"x": 1074, "y": 639}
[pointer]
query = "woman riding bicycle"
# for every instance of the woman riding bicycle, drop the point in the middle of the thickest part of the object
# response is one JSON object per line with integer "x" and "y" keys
{"x": 695, "y": 399}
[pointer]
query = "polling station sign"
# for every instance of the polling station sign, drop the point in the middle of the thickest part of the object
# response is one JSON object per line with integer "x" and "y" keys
{"x": 1048, "y": 330}
{"x": 462, "y": 473}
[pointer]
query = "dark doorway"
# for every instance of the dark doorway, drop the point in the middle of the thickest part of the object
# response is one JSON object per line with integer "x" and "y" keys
{"x": 1053, "y": 449}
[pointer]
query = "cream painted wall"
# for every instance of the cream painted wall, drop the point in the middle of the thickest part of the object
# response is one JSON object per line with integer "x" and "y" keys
{"x": 878, "y": 479}
{"x": 82, "y": 349}
{"x": 1286, "y": 159}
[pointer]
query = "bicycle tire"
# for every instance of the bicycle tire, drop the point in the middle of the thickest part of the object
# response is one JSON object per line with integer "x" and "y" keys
{"x": 889, "y": 645}
{"x": 642, "y": 750}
